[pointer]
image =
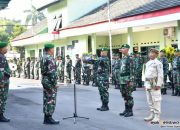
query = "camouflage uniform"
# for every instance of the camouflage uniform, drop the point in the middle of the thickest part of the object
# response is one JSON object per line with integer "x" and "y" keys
{"x": 68, "y": 68}
{"x": 116, "y": 72}
{"x": 176, "y": 74}
{"x": 60, "y": 70}
{"x": 19, "y": 68}
{"x": 49, "y": 82}
{"x": 126, "y": 80}
{"x": 86, "y": 73}
{"x": 165, "y": 63}
{"x": 36, "y": 68}
{"x": 32, "y": 69}
{"x": 77, "y": 70}
{"x": 113, "y": 70}
{"x": 94, "y": 72}
{"x": 138, "y": 61}
{"x": 103, "y": 79}
{"x": 27, "y": 68}
{"x": 5, "y": 73}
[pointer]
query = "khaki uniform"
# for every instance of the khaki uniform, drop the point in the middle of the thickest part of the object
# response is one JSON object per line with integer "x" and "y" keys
{"x": 154, "y": 77}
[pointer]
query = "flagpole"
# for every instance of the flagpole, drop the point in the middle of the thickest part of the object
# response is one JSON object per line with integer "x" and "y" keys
{"x": 109, "y": 31}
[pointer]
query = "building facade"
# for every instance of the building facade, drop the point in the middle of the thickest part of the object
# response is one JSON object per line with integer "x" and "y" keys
{"x": 81, "y": 27}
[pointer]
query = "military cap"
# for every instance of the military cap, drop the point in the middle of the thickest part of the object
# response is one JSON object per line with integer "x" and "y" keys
{"x": 163, "y": 51}
{"x": 3, "y": 44}
{"x": 177, "y": 50}
{"x": 104, "y": 49}
{"x": 48, "y": 46}
{"x": 125, "y": 46}
{"x": 154, "y": 50}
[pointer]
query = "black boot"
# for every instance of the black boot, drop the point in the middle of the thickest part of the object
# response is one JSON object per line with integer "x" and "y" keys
{"x": 3, "y": 119}
{"x": 99, "y": 108}
{"x": 49, "y": 120}
{"x": 124, "y": 112}
{"x": 129, "y": 112}
{"x": 176, "y": 92}
{"x": 105, "y": 107}
{"x": 162, "y": 91}
{"x": 165, "y": 91}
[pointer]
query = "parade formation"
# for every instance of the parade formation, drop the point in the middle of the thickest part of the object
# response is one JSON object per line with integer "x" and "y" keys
{"x": 128, "y": 73}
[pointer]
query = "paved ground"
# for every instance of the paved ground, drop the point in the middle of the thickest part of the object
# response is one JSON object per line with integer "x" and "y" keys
{"x": 25, "y": 109}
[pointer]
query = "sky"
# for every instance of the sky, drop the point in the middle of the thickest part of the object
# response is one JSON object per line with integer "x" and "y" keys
{"x": 15, "y": 9}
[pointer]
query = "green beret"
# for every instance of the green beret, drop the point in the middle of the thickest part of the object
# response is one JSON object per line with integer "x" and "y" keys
{"x": 125, "y": 46}
{"x": 177, "y": 50}
{"x": 48, "y": 46}
{"x": 3, "y": 44}
{"x": 163, "y": 51}
{"x": 104, "y": 49}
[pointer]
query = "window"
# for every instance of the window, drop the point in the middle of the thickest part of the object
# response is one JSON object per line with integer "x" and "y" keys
{"x": 57, "y": 23}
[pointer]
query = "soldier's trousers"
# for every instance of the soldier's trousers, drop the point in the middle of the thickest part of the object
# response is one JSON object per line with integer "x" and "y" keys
{"x": 154, "y": 100}
{"x": 103, "y": 91}
{"x": 138, "y": 80}
{"x": 126, "y": 92}
{"x": 78, "y": 74}
{"x": 69, "y": 74}
{"x": 3, "y": 98}
{"x": 165, "y": 80}
{"x": 176, "y": 80}
{"x": 49, "y": 99}
{"x": 37, "y": 73}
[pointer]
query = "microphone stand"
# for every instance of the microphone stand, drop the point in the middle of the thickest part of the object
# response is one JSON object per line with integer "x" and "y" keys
{"x": 75, "y": 115}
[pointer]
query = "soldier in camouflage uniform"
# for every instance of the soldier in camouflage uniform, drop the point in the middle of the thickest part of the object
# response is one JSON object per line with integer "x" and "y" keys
{"x": 68, "y": 68}
{"x": 19, "y": 67}
{"x": 176, "y": 72}
{"x": 60, "y": 68}
{"x": 27, "y": 68}
{"x": 49, "y": 82}
{"x": 32, "y": 68}
{"x": 94, "y": 71}
{"x": 126, "y": 79}
{"x": 36, "y": 68}
{"x": 77, "y": 69}
{"x": 103, "y": 64}
{"x": 5, "y": 73}
{"x": 86, "y": 73}
{"x": 113, "y": 72}
{"x": 138, "y": 61}
{"x": 116, "y": 71}
{"x": 165, "y": 63}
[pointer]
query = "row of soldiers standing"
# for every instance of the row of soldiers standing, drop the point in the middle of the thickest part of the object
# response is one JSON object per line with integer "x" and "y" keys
{"x": 28, "y": 68}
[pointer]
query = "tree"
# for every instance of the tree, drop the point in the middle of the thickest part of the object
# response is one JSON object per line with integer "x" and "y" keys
{"x": 33, "y": 16}
{"x": 4, "y": 36}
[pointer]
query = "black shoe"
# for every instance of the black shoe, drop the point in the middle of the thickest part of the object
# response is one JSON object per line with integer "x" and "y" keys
{"x": 178, "y": 93}
{"x": 50, "y": 120}
{"x": 128, "y": 114}
{"x": 124, "y": 112}
{"x": 99, "y": 108}
{"x": 3, "y": 119}
{"x": 105, "y": 108}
